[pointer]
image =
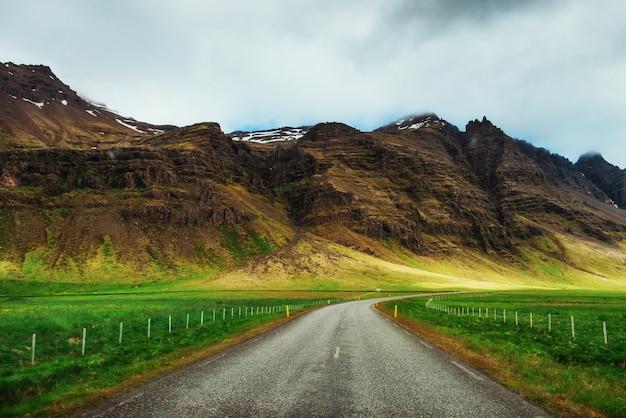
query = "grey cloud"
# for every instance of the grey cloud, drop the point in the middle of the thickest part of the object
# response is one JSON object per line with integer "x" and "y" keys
{"x": 549, "y": 71}
{"x": 447, "y": 12}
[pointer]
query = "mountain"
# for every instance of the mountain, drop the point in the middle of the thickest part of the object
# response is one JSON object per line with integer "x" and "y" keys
{"x": 415, "y": 200}
{"x": 609, "y": 178}
{"x": 38, "y": 110}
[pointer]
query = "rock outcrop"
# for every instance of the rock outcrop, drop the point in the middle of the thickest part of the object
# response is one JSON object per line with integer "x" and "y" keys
{"x": 608, "y": 177}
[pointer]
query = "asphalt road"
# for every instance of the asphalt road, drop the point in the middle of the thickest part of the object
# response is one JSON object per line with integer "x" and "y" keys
{"x": 339, "y": 361}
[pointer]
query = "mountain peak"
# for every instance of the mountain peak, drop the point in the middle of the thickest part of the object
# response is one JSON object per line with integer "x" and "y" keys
{"x": 412, "y": 121}
{"x": 329, "y": 130}
{"x": 484, "y": 125}
{"x": 608, "y": 177}
{"x": 39, "y": 110}
{"x": 591, "y": 156}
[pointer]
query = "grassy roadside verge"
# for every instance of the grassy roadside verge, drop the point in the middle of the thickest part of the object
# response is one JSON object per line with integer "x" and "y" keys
{"x": 62, "y": 378}
{"x": 571, "y": 384}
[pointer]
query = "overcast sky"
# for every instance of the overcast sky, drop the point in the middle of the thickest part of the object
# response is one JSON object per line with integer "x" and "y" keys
{"x": 552, "y": 72}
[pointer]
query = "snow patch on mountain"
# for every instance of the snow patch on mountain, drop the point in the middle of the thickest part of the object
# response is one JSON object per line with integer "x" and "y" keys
{"x": 414, "y": 122}
{"x": 417, "y": 122}
{"x": 275, "y": 135}
{"x": 39, "y": 105}
{"x": 156, "y": 131}
{"x": 134, "y": 128}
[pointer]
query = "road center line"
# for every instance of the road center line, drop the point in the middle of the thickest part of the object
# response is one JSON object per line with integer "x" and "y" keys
{"x": 466, "y": 370}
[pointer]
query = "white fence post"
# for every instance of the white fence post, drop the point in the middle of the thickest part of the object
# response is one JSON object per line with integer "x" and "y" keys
{"x": 170, "y": 324}
{"x": 516, "y": 322}
{"x": 202, "y": 318}
{"x": 84, "y": 338}
{"x": 573, "y": 331}
{"x": 148, "y": 327}
{"x": 121, "y": 327}
{"x": 606, "y": 341}
{"x": 187, "y": 321}
{"x": 549, "y": 322}
{"x": 32, "y": 350}
{"x": 531, "y": 319}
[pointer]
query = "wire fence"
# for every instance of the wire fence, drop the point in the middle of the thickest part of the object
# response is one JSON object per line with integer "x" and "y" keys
{"x": 178, "y": 329}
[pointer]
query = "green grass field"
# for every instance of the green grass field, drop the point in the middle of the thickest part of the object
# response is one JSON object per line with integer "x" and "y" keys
{"x": 575, "y": 375}
{"x": 63, "y": 377}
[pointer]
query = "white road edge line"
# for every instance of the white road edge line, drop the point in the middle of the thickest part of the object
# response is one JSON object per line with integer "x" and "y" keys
{"x": 212, "y": 360}
{"x": 424, "y": 344}
{"x": 132, "y": 399}
{"x": 466, "y": 370}
{"x": 418, "y": 340}
{"x": 336, "y": 352}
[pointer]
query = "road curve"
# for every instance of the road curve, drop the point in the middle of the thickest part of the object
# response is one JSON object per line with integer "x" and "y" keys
{"x": 339, "y": 361}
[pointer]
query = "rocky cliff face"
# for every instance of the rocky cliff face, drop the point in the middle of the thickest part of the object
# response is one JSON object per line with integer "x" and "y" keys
{"x": 433, "y": 190}
{"x": 193, "y": 195}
